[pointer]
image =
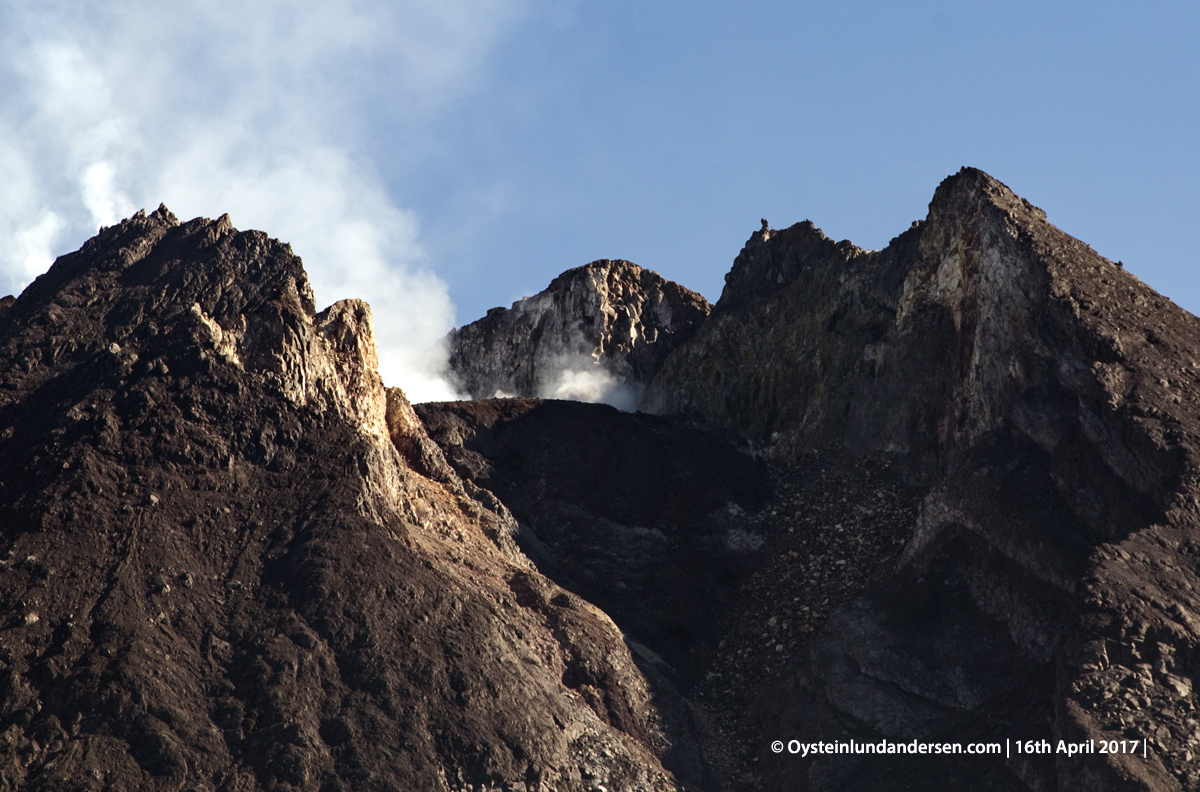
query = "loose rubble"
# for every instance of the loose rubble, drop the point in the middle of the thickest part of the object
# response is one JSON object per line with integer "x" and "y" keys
{"x": 837, "y": 524}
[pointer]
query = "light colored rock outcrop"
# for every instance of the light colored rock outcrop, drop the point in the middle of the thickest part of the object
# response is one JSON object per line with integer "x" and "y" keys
{"x": 597, "y": 333}
{"x": 234, "y": 561}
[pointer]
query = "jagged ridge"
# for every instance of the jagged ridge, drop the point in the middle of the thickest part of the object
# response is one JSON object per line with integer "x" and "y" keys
{"x": 599, "y": 332}
{"x": 1048, "y": 399}
{"x": 219, "y": 573}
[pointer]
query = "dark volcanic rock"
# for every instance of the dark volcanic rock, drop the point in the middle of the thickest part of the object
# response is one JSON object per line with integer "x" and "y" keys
{"x": 718, "y": 567}
{"x": 230, "y": 561}
{"x": 597, "y": 333}
{"x": 1049, "y": 400}
{"x": 642, "y": 515}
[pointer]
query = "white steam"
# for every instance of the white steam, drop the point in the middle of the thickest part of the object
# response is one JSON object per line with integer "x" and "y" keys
{"x": 242, "y": 108}
{"x": 590, "y": 382}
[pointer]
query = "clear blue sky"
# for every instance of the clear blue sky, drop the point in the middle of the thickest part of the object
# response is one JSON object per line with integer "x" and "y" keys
{"x": 663, "y": 136}
{"x": 440, "y": 159}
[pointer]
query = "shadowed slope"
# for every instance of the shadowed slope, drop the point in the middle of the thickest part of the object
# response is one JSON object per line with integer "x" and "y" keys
{"x": 1049, "y": 399}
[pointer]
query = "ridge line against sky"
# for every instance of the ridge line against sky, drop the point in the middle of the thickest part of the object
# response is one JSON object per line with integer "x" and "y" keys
{"x": 425, "y": 155}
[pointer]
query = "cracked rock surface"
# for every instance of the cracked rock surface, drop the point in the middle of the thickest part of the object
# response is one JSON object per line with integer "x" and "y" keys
{"x": 1050, "y": 402}
{"x": 945, "y": 491}
{"x": 229, "y": 562}
{"x": 597, "y": 333}
{"x": 1037, "y": 408}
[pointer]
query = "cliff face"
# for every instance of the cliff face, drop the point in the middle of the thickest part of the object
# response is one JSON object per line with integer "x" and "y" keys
{"x": 947, "y": 491}
{"x": 597, "y": 333}
{"x": 1049, "y": 400}
{"x": 232, "y": 561}
{"x": 1042, "y": 406}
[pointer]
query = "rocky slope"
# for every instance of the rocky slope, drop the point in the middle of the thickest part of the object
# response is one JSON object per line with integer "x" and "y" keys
{"x": 643, "y": 516}
{"x": 1039, "y": 403}
{"x": 597, "y": 333}
{"x": 946, "y": 491}
{"x": 232, "y": 561}
{"x": 638, "y": 514}
{"x": 718, "y": 567}
{"x": 1048, "y": 399}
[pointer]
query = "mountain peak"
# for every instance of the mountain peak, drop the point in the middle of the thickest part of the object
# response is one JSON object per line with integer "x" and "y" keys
{"x": 597, "y": 333}
{"x": 948, "y": 490}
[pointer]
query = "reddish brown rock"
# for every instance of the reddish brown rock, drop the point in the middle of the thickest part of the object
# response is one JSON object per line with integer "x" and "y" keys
{"x": 947, "y": 491}
{"x": 1049, "y": 400}
{"x": 218, "y": 572}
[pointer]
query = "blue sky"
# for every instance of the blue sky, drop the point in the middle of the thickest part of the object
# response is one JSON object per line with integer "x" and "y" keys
{"x": 440, "y": 158}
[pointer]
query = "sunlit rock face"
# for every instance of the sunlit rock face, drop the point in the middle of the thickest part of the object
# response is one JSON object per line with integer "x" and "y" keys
{"x": 948, "y": 492}
{"x": 231, "y": 560}
{"x": 1038, "y": 402}
{"x": 598, "y": 333}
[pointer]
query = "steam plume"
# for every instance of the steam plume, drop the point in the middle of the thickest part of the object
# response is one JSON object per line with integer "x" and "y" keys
{"x": 243, "y": 108}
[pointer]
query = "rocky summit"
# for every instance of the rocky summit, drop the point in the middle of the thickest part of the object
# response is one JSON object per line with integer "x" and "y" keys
{"x": 1046, "y": 400}
{"x": 598, "y": 333}
{"x": 942, "y": 493}
{"x": 220, "y": 572}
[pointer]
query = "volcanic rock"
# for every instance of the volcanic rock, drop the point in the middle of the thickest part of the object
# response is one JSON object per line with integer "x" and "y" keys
{"x": 642, "y": 515}
{"x": 597, "y": 333}
{"x": 1041, "y": 405}
{"x": 718, "y": 566}
{"x": 944, "y": 492}
{"x": 232, "y": 561}
{"x": 1048, "y": 400}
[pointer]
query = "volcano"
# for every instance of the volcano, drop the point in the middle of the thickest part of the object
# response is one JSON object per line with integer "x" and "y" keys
{"x": 944, "y": 493}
